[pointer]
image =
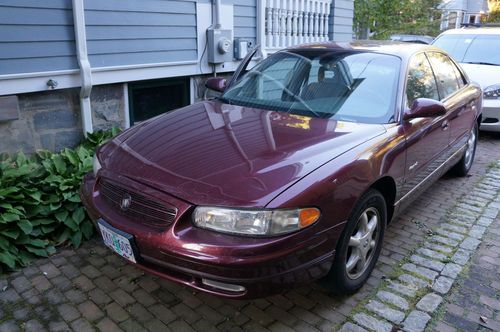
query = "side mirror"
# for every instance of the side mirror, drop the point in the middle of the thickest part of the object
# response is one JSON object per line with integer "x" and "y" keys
{"x": 216, "y": 83}
{"x": 425, "y": 108}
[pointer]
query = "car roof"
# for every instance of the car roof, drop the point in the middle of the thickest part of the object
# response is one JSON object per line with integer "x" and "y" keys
{"x": 473, "y": 31}
{"x": 398, "y": 48}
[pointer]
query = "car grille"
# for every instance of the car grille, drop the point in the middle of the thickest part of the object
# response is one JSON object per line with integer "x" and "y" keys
{"x": 143, "y": 209}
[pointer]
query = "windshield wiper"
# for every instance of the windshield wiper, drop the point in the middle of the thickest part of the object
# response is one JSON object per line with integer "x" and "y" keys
{"x": 482, "y": 63}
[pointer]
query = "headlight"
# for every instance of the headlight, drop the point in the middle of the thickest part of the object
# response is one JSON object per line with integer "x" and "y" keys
{"x": 254, "y": 222}
{"x": 96, "y": 165}
{"x": 492, "y": 92}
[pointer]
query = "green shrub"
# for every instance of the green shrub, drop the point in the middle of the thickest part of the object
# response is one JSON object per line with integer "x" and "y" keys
{"x": 40, "y": 205}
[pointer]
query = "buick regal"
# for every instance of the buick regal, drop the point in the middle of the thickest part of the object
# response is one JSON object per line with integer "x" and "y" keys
{"x": 292, "y": 174}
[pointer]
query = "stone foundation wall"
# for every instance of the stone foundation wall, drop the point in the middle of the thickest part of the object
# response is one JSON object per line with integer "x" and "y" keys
{"x": 51, "y": 119}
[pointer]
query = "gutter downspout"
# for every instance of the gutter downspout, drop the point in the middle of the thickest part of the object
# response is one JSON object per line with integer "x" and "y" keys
{"x": 83, "y": 62}
{"x": 217, "y": 14}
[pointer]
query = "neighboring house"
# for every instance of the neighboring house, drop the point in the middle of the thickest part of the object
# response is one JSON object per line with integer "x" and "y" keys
{"x": 457, "y": 12}
{"x": 68, "y": 67}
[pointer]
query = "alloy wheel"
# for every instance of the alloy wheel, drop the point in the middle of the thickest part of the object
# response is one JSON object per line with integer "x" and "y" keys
{"x": 362, "y": 243}
{"x": 471, "y": 144}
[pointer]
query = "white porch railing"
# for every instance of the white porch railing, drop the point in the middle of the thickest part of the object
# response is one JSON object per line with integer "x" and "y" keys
{"x": 283, "y": 23}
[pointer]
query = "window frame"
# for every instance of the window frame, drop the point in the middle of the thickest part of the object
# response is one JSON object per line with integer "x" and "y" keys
{"x": 404, "y": 102}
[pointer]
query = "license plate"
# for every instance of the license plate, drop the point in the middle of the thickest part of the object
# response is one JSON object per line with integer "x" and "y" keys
{"x": 120, "y": 242}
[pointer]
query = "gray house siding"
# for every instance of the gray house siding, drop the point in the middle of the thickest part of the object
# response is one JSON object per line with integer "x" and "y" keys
{"x": 245, "y": 19}
{"x": 140, "y": 31}
{"x": 340, "y": 21}
{"x": 36, "y": 36}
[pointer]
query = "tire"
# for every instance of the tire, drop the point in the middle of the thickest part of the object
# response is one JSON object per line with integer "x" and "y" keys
{"x": 344, "y": 280}
{"x": 464, "y": 165}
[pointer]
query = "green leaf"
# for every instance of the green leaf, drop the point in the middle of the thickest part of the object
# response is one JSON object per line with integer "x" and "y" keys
{"x": 76, "y": 239}
{"x": 36, "y": 232}
{"x": 82, "y": 153}
{"x": 64, "y": 236}
{"x": 25, "y": 257}
{"x": 38, "y": 243}
{"x": 71, "y": 224}
{"x": 7, "y": 217}
{"x": 87, "y": 229}
{"x": 18, "y": 172}
{"x": 12, "y": 233}
{"x": 78, "y": 215}
{"x": 37, "y": 251}
{"x": 17, "y": 211}
{"x": 42, "y": 221}
{"x": 21, "y": 159}
{"x": 4, "y": 243}
{"x": 36, "y": 195}
{"x": 7, "y": 259}
{"x": 6, "y": 205}
{"x": 48, "y": 229}
{"x": 75, "y": 198}
{"x": 44, "y": 154}
{"x": 62, "y": 216}
{"x": 72, "y": 156}
{"x": 7, "y": 191}
{"x": 59, "y": 163}
{"x": 51, "y": 250}
{"x": 55, "y": 207}
{"x": 25, "y": 226}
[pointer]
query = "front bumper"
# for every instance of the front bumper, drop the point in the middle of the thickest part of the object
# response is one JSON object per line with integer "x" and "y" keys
{"x": 188, "y": 255}
{"x": 491, "y": 115}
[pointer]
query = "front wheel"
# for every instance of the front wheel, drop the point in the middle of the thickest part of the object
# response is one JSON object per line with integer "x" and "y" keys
{"x": 360, "y": 244}
{"x": 463, "y": 167}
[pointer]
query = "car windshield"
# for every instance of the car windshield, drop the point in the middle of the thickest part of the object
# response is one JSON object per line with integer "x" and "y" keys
{"x": 351, "y": 86}
{"x": 480, "y": 49}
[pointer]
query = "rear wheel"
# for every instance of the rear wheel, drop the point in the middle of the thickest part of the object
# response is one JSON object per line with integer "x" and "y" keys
{"x": 463, "y": 167}
{"x": 360, "y": 244}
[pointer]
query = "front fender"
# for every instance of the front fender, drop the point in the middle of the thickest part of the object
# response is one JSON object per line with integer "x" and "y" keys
{"x": 336, "y": 186}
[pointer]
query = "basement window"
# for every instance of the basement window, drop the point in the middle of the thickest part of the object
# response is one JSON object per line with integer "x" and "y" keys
{"x": 151, "y": 98}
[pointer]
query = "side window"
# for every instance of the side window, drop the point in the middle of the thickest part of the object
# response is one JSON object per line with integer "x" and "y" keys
{"x": 461, "y": 79}
{"x": 420, "y": 82}
{"x": 445, "y": 72}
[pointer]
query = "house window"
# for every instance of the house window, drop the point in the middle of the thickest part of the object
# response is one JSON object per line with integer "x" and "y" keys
{"x": 472, "y": 18}
{"x": 151, "y": 98}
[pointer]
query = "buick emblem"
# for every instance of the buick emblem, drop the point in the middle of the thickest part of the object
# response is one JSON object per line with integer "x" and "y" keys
{"x": 126, "y": 202}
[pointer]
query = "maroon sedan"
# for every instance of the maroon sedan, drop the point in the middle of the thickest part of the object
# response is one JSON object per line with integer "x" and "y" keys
{"x": 292, "y": 174}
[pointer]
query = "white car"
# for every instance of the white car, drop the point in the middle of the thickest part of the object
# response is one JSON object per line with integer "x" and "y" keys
{"x": 478, "y": 52}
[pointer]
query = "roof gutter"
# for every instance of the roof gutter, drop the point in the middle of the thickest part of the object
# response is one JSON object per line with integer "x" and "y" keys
{"x": 83, "y": 62}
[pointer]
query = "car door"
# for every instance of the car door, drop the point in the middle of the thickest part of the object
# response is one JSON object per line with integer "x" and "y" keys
{"x": 458, "y": 100}
{"x": 427, "y": 139}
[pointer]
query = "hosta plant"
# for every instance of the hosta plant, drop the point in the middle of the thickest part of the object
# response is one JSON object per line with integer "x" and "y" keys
{"x": 40, "y": 205}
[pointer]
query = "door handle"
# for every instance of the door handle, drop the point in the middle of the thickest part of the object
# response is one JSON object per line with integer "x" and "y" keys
{"x": 445, "y": 125}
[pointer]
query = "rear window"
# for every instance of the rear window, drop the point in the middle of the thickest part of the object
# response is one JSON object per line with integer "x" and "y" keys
{"x": 482, "y": 49}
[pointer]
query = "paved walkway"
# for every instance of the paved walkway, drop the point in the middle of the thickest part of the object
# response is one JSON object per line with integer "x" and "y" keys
{"x": 410, "y": 297}
{"x": 92, "y": 289}
{"x": 474, "y": 303}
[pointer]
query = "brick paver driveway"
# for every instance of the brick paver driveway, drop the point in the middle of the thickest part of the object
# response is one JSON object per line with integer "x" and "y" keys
{"x": 90, "y": 288}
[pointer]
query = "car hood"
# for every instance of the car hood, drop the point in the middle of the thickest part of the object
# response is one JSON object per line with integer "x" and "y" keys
{"x": 484, "y": 75}
{"x": 212, "y": 153}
